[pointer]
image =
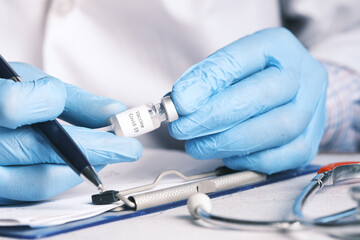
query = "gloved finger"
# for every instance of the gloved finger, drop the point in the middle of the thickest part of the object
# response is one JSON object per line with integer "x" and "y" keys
{"x": 268, "y": 130}
{"x": 236, "y": 104}
{"x": 36, "y": 182}
{"x": 25, "y": 146}
{"x": 233, "y": 63}
{"x": 89, "y": 110}
{"x": 39, "y": 98}
{"x": 298, "y": 152}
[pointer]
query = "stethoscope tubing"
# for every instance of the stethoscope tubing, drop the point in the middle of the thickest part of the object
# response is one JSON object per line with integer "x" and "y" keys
{"x": 243, "y": 224}
{"x": 349, "y": 230}
{"x": 330, "y": 224}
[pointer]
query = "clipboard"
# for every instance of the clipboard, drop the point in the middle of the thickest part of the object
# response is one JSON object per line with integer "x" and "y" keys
{"x": 112, "y": 216}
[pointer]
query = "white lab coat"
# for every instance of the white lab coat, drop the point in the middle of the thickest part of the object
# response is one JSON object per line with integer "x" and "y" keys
{"x": 135, "y": 50}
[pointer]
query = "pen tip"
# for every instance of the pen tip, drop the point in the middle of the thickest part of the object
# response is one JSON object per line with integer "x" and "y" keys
{"x": 101, "y": 188}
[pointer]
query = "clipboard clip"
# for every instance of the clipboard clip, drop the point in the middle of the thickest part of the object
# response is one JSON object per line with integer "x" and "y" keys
{"x": 139, "y": 198}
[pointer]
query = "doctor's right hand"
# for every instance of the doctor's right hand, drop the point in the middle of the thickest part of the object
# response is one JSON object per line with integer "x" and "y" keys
{"x": 30, "y": 170}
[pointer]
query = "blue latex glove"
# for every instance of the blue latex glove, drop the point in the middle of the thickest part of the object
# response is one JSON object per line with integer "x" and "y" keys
{"x": 30, "y": 170}
{"x": 258, "y": 103}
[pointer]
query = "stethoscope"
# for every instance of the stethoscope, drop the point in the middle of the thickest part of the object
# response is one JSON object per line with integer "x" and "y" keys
{"x": 344, "y": 224}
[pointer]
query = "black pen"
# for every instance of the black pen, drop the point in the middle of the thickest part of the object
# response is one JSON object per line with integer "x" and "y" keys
{"x": 58, "y": 138}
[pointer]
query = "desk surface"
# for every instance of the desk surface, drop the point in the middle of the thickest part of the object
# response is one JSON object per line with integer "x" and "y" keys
{"x": 265, "y": 203}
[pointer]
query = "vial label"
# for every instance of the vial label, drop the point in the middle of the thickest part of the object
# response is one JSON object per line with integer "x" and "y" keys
{"x": 135, "y": 121}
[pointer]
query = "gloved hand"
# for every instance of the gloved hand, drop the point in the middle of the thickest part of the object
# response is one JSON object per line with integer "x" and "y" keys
{"x": 258, "y": 103}
{"x": 30, "y": 170}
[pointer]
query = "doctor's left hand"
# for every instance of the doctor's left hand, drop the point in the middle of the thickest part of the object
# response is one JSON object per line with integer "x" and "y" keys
{"x": 30, "y": 170}
{"x": 258, "y": 103}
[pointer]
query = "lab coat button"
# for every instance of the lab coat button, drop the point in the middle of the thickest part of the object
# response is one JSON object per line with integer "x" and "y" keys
{"x": 65, "y": 6}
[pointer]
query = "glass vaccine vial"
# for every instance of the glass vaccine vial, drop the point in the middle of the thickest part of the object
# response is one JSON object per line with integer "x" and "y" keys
{"x": 144, "y": 118}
